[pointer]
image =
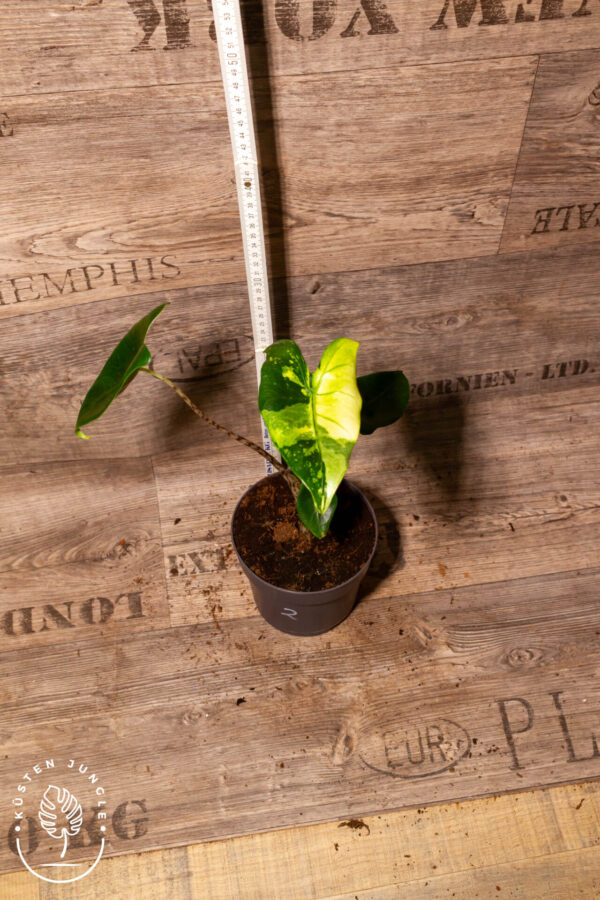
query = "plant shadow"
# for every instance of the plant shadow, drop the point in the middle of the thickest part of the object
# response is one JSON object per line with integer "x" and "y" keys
{"x": 434, "y": 435}
{"x": 183, "y": 430}
{"x": 388, "y": 553}
{"x": 261, "y": 91}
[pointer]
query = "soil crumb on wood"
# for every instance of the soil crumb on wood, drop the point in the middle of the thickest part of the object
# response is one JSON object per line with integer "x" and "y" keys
{"x": 266, "y": 531}
{"x": 355, "y": 824}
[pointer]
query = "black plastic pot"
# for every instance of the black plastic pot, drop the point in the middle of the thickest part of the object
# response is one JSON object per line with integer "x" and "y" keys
{"x": 305, "y": 612}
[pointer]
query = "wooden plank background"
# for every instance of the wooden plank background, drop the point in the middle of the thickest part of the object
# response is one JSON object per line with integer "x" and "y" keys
{"x": 430, "y": 173}
{"x": 532, "y": 845}
{"x": 54, "y": 45}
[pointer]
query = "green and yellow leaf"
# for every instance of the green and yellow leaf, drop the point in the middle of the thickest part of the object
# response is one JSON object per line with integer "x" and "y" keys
{"x": 314, "y": 421}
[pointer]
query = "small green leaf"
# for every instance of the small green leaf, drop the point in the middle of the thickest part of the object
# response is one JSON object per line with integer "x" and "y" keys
{"x": 314, "y": 421}
{"x": 129, "y": 356}
{"x": 385, "y": 396}
{"x": 316, "y": 522}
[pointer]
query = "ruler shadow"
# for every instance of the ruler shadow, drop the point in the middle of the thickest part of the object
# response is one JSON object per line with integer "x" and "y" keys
{"x": 259, "y": 66}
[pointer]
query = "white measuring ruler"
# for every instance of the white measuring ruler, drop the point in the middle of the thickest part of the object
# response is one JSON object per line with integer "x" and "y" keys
{"x": 232, "y": 55}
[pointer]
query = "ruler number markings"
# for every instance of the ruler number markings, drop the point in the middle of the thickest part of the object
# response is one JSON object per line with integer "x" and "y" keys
{"x": 228, "y": 27}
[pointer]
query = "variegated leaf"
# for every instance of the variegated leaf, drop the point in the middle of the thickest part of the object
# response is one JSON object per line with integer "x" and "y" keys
{"x": 314, "y": 421}
{"x": 316, "y": 522}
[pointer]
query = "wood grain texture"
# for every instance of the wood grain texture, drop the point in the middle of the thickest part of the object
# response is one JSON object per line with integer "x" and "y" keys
{"x": 20, "y": 886}
{"x": 232, "y": 727}
{"x": 513, "y": 842}
{"x": 379, "y": 175}
{"x": 555, "y": 197}
{"x": 143, "y": 197}
{"x": 55, "y": 46}
{"x": 80, "y": 552}
{"x": 515, "y": 881}
{"x": 161, "y": 875}
{"x": 464, "y": 845}
{"x": 115, "y": 177}
{"x": 454, "y": 327}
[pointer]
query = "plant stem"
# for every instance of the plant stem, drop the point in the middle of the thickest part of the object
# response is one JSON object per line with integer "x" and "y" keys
{"x": 292, "y": 480}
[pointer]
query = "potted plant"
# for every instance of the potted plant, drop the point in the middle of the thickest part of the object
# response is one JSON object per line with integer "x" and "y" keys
{"x": 304, "y": 536}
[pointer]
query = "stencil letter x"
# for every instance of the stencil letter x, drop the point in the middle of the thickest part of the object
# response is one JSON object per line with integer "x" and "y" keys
{"x": 177, "y": 22}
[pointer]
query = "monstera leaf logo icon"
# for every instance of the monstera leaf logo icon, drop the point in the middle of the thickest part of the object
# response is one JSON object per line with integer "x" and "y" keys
{"x": 60, "y": 814}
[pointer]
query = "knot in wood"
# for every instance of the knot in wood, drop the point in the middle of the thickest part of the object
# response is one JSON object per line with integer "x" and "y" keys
{"x": 523, "y": 657}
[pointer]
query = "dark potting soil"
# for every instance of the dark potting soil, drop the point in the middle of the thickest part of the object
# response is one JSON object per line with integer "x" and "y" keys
{"x": 267, "y": 534}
